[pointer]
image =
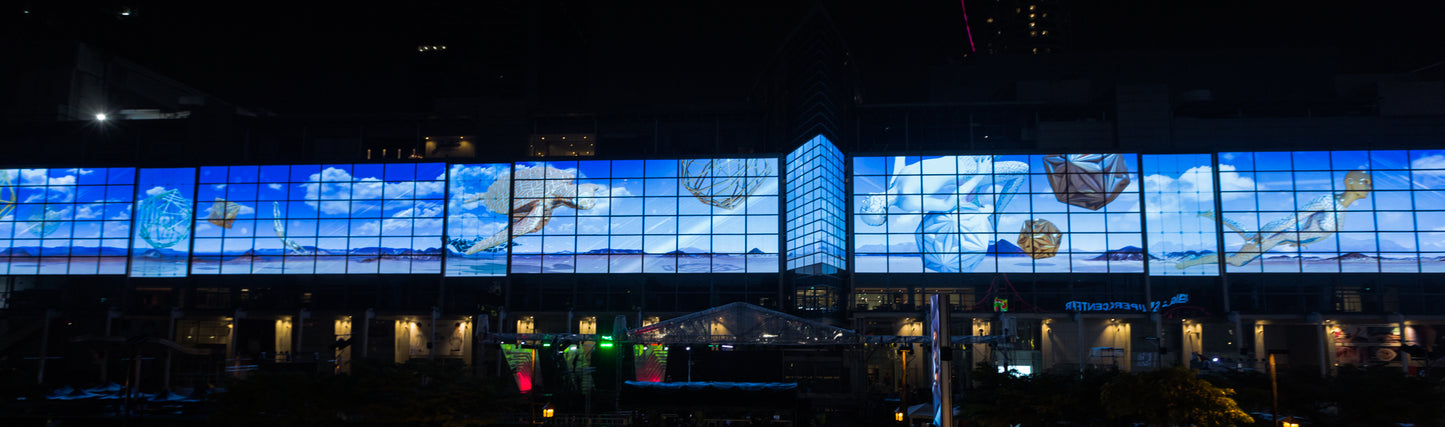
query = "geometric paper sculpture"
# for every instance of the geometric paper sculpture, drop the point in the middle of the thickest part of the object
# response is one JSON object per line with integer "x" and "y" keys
{"x": 724, "y": 183}
{"x": 1089, "y": 181}
{"x": 164, "y": 219}
{"x": 945, "y": 248}
{"x": 1040, "y": 238}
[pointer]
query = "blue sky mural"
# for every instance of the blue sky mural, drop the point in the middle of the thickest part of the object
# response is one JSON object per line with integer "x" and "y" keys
{"x": 637, "y": 216}
{"x": 65, "y": 220}
{"x": 161, "y": 243}
{"x": 321, "y": 219}
{"x": 1012, "y": 213}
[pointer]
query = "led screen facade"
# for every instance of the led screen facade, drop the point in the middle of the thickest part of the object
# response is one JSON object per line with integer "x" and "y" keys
{"x": 477, "y": 206}
{"x": 1178, "y": 206}
{"x": 815, "y": 227}
{"x": 319, "y": 219}
{"x": 1009, "y": 213}
{"x": 1339, "y": 211}
{"x": 65, "y": 221}
{"x": 161, "y": 241}
{"x": 645, "y": 216}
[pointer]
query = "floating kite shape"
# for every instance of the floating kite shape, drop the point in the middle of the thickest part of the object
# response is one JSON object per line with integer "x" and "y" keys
{"x": 1040, "y": 238}
{"x": 223, "y": 212}
{"x": 1089, "y": 181}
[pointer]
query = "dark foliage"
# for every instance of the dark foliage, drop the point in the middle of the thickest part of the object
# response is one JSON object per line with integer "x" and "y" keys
{"x": 415, "y": 393}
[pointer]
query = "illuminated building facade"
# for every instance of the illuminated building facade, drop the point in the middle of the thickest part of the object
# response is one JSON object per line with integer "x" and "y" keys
{"x": 1104, "y": 218}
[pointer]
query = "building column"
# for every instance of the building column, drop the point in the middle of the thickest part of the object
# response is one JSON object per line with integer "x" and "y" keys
{"x": 1259, "y": 351}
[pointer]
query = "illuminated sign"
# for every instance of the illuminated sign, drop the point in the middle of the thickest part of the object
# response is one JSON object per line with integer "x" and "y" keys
{"x": 1120, "y": 305}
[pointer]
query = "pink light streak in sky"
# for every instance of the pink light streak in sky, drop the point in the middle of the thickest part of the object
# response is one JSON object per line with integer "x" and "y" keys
{"x": 966, "y": 29}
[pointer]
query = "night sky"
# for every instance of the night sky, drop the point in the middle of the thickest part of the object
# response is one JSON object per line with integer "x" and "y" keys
{"x": 300, "y": 57}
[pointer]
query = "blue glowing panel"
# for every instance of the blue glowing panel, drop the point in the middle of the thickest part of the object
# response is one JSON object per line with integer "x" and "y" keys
{"x": 1327, "y": 212}
{"x": 1179, "y": 202}
{"x": 161, "y": 241}
{"x": 65, "y": 221}
{"x": 815, "y": 228}
{"x": 319, "y": 219}
{"x": 477, "y": 209}
{"x": 1040, "y": 213}
{"x": 645, "y": 216}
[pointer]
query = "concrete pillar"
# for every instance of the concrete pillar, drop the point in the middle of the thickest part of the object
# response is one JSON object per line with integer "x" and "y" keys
{"x": 1259, "y": 351}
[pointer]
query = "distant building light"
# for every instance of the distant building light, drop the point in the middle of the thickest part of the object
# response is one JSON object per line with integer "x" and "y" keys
{"x": 100, "y": 116}
{"x": 1032, "y": 7}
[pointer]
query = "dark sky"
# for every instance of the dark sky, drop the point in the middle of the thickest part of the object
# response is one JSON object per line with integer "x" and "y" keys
{"x": 274, "y": 53}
